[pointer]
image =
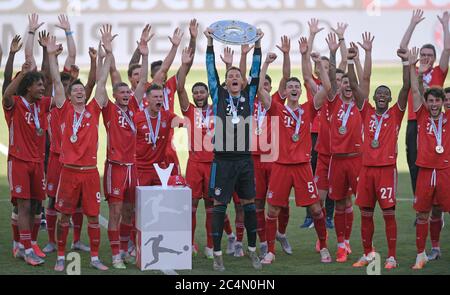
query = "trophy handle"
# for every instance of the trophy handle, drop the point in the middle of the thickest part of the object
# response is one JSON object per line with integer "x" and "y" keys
{"x": 163, "y": 174}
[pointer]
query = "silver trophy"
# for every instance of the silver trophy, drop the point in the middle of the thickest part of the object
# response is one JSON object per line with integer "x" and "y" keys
{"x": 234, "y": 32}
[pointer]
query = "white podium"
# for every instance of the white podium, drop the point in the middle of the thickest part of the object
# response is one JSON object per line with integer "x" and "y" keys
{"x": 163, "y": 222}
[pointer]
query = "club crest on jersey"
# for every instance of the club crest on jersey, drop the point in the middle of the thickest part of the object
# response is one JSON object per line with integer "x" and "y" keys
{"x": 18, "y": 189}
{"x": 87, "y": 115}
{"x": 269, "y": 194}
{"x": 50, "y": 186}
{"x": 116, "y": 191}
{"x": 163, "y": 124}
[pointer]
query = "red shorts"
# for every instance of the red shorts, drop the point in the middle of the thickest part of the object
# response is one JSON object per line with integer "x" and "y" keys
{"x": 77, "y": 186}
{"x": 432, "y": 188}
{"x": 343, "y": 176}
{"x": 197, "y": 178}
{"x": 322, "y": 169}
{"x": 119, "y": 182}
{"x": 284, "y": 177}
{"x": 26, "y": 180}
{"x": 377, "y": 184}
{"x": 147, "y": 177}
{"x": 262, "y": 176}
{"x": 53, "y": 173}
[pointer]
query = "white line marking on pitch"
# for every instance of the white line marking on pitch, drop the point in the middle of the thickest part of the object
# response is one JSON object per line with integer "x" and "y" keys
{"x": 3, "y": 149}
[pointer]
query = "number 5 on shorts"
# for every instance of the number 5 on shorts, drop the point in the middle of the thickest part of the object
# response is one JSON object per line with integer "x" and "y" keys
{"x": 310, "y": 187}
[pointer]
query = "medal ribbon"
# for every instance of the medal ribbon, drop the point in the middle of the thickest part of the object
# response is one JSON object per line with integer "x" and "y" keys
{"x": 35, "y": 115}
{"x": 153, "y": 135}
{"x": 437, "y": 131}
{"x": 205, "y": 120}
{"x": 347, "y": 114}
{"x": 379, "y": 124}
{"x": 298, "y": 120}
{"x": 234, "y": 108}
{"x": 128, "y": 119}
{"x": 260, "y": 115}
{"x": 77, "y": 122}
{"x": 166, "y": 99}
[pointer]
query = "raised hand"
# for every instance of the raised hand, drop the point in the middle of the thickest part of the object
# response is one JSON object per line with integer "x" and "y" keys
{"x": 303, "y": 45}
{"x": 27, "y": 66}
{"x": 208, "y": 33}
{"x": 227, "y": 57}
{"x": 74, "y": 72}
{"x": 333, "y": 45}
{"x": 425, "y": 65}
{"x": 52, "y": 47}
{"x": 59, "y": 50}
{"x": 413, "y": 56}
{"x": 187, "y": 56}
{"x": 43, "y": 38}
{"x": 16, "y": 45}
{"x": 352, "y": 51}
{"x": 64, "y": 23}
{"x": 33, "y": 22}
{"x": 92, "y": 53}
{"x": 176, "y": 37}
{"x": 146, "y": 36}
{"x": 314, "y": 26}
{"x": 246, "y": 48}
{"x": 403, "y": 54}
{"x": 107, "y": 37}
{"x": 100, "y": 51}
{"x": 367, "y": 41}
{"x": 193, "y": 28}
{"x": 444, "y": 19}
{"x": 417, "y": 17}
{"x": 271, "y": 57}
{"x": 340, "y": 30}
{"x": 285, "y": 46}
{"x": 315, "y": 55}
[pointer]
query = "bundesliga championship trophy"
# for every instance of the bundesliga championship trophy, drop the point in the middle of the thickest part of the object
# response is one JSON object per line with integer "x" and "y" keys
{"x": 234, "y": 32}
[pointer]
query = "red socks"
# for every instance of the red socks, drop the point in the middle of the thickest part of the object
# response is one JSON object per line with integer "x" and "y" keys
{"x": 94, "y": 238}
{"x": 63, "y": 230}
{"x": 283, "y": 220}
{"x": 339, "y": 224}
{"x": 25, "y": 238}
{"x": 51, "y": 217}
{"x": 261, "y": 225}
{"x": 271, "y": 231}
{"x": 421, "y": 234}
{"x": 435, "y": 231}
{"x": 125, "y": 231}
{"x": 391, "y": 231}
{"x": 77, "y": 219}
{"x": 367, "y": 229}
{"x": 113, "y": 236}
{"x": 321, "y": 230}
{"x": 348, "y": 222}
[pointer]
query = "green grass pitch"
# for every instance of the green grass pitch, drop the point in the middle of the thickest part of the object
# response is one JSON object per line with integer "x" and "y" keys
{"x": 304, "y": 259}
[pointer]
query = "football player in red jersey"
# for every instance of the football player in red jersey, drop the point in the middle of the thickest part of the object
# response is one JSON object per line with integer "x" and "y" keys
{"x": 434, "y": 156}
{"x": 378, "y": 177}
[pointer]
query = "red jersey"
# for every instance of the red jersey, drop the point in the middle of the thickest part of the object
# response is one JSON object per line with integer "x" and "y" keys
{"x": 427, "y": 156}
{"x": 201, "y": 122}
{"x": 351, "y": 140}
{"x": 309, "y": 94}
{"x": 24, "y": 142}
{"x": 385, "y": 154}
{"x": 146, "y": 152}
{"x": 82, "y": 152}
{"x": 54, "y": 130}
{"x": 121, "y": 132}
{"x": 291, "y": 152}
{"x": 435, "y": 77}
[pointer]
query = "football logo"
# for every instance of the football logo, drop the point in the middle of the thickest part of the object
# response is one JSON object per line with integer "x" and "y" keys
{"x": 18, "y": 189}
{"x": 217, "y": 191}
{"x": 50, "y": 186}
{"x": 269, "y": 194}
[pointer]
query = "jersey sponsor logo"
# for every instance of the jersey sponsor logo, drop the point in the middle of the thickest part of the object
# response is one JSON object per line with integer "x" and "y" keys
{"x": 122, "y": 122}
{"x": 147, "y": 138}
{"x": 29, "y": 118}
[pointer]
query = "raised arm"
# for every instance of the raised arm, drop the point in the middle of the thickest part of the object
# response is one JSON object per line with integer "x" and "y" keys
{"x": 114, "y": 73}
{"x": 136, "y": 57}
{"x": 403, "y": 94}
{"x": 64, "y": 25}
{"x": 416, "y": 18}
{"x": 360, "y": 97}
{"x": 146, "y": 36}
{"x": 306, "y": 65}
{"x": 367, "y": 46}
{"x": 100, "y": 91}
{"x": 16, "y": 45}
{"x": 211, "y": 70}
{"x": 193, "y": 32}
{"x": 167, "y": 62}
{"x": 245, "y": 49}
{"x": 333, "y": 46}
{"x": 445, "y": 56}
{"x": 340, "y": 31}
{"x": 45, "y": 68}
{"x": 186, "y": 58}
{"x": 321, "y": 95}
{"x": 92, "y": 73}
{"x": 33, "y": 26}
{"x": 227, "y": 58}
{"x": 7, "y": 100}
{"x": 285, "y": 47}
{"x": 417, "y": 97}
{"x": 263, "y": 95}
{"x": 313, "y": 30}
{"x": 52, "y": 49}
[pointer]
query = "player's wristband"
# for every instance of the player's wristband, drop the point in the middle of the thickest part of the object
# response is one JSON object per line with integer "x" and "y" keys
{"x": 31, "y": 32}
{"x": 69, "y": 33}
{"x": 341, "y": 39}
{"x": 405, "y": 63}
{"x": 350, "y": 62}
